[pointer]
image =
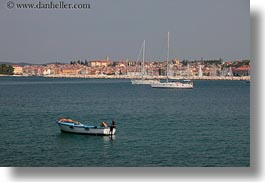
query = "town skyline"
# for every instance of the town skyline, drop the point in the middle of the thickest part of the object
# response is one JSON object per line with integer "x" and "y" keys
{"x": 108, "y": 58}
{"x": 203, "y": 69}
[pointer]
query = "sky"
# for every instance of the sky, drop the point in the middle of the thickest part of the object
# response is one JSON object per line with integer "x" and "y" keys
{"x": 208, "y": 29}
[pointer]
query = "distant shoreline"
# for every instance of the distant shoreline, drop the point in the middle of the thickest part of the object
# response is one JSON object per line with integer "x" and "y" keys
{"x": 247, "y": 78}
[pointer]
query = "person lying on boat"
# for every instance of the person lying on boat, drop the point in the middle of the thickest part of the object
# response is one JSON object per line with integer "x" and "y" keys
{"x": 68, "y": 120}
{"x": 104, "y": 124}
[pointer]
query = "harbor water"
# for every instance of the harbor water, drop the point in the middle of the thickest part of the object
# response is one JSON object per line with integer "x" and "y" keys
{"x": 208, "y": 126}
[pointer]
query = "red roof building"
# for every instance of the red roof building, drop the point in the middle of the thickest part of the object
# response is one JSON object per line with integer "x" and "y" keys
{"x": 242, "y": 70}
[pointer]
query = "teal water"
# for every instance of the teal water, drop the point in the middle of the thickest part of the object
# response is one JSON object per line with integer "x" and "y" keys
{"x": 206, "y": 126}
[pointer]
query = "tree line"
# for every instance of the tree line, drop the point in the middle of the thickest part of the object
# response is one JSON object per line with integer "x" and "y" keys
{"x": 6, "y": 69}
{"x": 79, "y": 62}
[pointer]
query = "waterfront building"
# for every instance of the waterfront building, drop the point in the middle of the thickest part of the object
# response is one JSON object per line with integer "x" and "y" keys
{"x": 200, "y": 74}
{"x": 242, "y": 70}
{"x": 18, "y": 70}
{"x": 70, "y": 71}
{"x": 47, "y": 72}
{"x": 100, "y": 63}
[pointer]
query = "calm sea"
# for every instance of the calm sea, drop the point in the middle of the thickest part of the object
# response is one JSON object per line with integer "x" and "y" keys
{"x": 206, "y": 126}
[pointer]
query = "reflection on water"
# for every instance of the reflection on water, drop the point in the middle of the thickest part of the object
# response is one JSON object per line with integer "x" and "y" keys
{"x": 64, "y": 135}
{"x": 108, "y": 138}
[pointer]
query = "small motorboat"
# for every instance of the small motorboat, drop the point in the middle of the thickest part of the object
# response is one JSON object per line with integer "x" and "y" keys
{"x": 71, "y": 126}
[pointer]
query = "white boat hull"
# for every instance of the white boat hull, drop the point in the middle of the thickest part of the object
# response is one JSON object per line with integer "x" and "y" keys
{"x": 83, "y": 129}
{"x": 144, "y": 82}
{"x": 176, "y": 85}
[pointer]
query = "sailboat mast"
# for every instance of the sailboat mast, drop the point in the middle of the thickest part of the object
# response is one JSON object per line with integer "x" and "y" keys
{"x": 143, "y": 59}
{"x": 167, "y": 54}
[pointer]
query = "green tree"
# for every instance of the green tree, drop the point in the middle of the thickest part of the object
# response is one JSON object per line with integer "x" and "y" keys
{"x": 6, "y": 69}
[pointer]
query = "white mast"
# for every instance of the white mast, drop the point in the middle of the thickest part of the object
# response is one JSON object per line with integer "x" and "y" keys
{"x": 143, "y": 60}
{"x": 167, "y": 53}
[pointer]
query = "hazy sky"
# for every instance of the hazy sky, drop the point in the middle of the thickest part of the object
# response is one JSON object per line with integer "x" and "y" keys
{"x": 116, "y": 28}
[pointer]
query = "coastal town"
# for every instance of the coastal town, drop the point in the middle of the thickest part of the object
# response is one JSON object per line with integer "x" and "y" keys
{"x": 177, "y": 69}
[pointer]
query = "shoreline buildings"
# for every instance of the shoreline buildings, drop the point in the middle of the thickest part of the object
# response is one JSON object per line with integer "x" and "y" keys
{"x": 202, "y": 69}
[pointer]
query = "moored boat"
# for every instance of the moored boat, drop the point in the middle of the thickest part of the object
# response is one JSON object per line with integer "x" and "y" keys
{"x": 71, "y": 126}
{"x": 144, "y": 82}
{"x": 186, "y": 84}
{"x": 179, "y": 85}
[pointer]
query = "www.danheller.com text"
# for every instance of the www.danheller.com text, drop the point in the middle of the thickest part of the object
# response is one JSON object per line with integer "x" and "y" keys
{"x": 47, "y": 5}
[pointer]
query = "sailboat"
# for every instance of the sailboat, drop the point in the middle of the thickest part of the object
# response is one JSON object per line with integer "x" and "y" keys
{"x": 143, "y": 81}
{"x": 188, "y": 84}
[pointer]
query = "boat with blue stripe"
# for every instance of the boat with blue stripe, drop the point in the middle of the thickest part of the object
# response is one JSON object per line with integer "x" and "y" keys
{"x": 71, "y": 126}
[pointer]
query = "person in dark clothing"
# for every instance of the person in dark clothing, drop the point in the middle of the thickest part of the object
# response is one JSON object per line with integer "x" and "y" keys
{"x": 111, "y": 127}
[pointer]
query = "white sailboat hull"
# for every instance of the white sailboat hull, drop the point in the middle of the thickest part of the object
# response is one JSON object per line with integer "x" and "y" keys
{"x": 144, "y": 82}
{"x": 176, "y": 85}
